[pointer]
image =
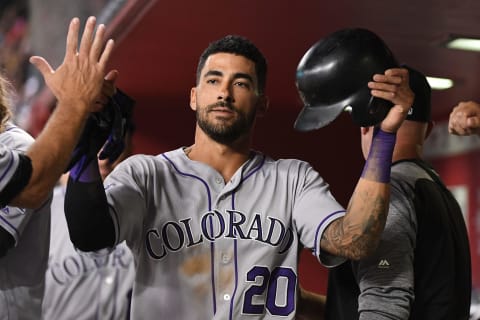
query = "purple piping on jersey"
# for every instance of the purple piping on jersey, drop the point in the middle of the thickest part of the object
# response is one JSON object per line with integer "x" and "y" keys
{"x": 192, "y": 176}
{"x": 236, "y": 263}
{"x": 8, "y": 167}
{"x": 11, "y": 226}
{"x": 235, "y": 240}
{"x": 254, "y": 169}
{"x": 212, "y": 245}
{"x": 318, "y": 229}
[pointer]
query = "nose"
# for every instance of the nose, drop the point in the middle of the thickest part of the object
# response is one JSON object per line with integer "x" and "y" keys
{"x": 225, "y": 93}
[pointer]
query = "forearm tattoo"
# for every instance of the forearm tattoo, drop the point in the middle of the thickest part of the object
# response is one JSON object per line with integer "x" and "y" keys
{"x": 358, "y": 232}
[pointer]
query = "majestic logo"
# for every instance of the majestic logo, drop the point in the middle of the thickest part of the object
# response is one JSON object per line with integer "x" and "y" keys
{"x": 172, "y": 236}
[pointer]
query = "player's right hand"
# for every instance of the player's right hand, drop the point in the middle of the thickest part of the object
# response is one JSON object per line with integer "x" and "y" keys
{"x": 78, "y": 81}
{"x": 464, "y": 119}
{"x": 393, "y": 86}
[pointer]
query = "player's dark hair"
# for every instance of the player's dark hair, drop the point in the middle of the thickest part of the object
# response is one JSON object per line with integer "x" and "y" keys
{"x": 240, "y": 46}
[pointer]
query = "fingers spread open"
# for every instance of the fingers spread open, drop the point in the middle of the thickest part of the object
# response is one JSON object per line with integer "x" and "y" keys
{"x": 42, "y": 65}
{"x": 106, "y": 53}
{"x": 87, "y": 36}
{"x": 97, "y": 43}
{"x": 72, "y": 38}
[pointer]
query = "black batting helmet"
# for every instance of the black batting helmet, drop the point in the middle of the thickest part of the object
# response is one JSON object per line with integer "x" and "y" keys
{"x": 333, "y": 75}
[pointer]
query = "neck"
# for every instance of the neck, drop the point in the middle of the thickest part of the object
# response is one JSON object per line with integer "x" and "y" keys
{"x": 406, "y": 152}
{"x": 410, "y": 139}
{"x": 226, "y": 159}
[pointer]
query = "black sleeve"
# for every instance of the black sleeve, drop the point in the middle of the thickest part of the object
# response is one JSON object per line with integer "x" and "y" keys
{"x": 18, "y": 181}
{"x": 86, "y": 210}
{"x": 6, "y": 242}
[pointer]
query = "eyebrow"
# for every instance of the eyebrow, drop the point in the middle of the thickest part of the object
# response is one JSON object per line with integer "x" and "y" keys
{"x": 238, "y": 75}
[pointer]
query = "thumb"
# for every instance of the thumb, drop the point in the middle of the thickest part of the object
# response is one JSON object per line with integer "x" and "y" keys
{"x": 394, "y": 119}
{"x": 42, "y": 65}
{"x": 111, "y": 76}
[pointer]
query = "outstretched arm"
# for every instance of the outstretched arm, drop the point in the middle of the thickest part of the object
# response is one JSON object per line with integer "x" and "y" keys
{"x": 357, "y": 234}
{"x": 76, "y": 84}
{"x": 465, "y": 119}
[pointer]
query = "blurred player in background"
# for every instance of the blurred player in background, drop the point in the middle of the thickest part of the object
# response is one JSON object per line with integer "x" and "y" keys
{"x": 87, "y": 285}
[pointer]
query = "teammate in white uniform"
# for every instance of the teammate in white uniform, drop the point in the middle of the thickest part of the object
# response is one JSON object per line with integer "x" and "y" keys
{"x": 216, "y": 228}
{"x": 86, "y": 286}
{"x": 22, "y": 267}
{"x": 29, "y": 170}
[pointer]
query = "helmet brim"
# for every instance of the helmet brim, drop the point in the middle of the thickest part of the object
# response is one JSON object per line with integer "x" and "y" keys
{"x": 314, "y": 117}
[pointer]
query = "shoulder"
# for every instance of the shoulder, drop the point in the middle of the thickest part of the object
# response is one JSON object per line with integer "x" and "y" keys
{"x": 294, "y": 171}
{"x": 284, "y": 162}
{"x": 159, "y": 159}
{"x": 406, "y": 173}
{"x": 144, "y": 163}
{"x": 291, "y": 166}
{"x": 16, "y": 138}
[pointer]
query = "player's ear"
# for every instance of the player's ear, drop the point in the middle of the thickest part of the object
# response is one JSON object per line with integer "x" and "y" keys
{"x": 262, "y": 105}
{"x": 193, "y": 98}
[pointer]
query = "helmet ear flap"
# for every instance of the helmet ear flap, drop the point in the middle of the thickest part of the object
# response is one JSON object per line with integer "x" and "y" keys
{"x": 333, "y": 74}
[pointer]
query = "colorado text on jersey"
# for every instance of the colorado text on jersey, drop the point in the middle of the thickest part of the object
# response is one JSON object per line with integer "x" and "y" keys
{"x": 232, "y": 224}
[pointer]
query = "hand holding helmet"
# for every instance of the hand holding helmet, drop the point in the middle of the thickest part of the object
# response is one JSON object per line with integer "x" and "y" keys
{"x": 393, "y": 86}
{"x": 333, "y": 76}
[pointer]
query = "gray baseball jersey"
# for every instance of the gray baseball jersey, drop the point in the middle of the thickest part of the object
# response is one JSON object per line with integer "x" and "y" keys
{"x": 206, "y": 249}
{"x": 22, "y": 269}
{"x": 81, "y": 285}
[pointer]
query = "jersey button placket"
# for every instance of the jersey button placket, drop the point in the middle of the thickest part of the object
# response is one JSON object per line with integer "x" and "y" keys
{"x": 226, "y": 258}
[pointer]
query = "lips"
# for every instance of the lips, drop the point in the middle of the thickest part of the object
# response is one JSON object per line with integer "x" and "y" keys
{"x": 221, "y": 109}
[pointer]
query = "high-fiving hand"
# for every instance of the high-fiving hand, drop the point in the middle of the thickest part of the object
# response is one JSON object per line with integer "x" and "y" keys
{"x": 78, "y": 81}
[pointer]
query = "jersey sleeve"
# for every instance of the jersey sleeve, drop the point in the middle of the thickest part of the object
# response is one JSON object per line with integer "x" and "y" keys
{"x": 14, "y": 220}
{"x": 314, "y": 209}
{"x": 9, "y": 161}
{"x": 126, "y": 195}
{"x": 386, "y": 279}
{"x": 15, "y": 172}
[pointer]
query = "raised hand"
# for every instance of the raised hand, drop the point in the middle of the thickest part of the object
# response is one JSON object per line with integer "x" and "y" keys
{"x": 81, "y": 86}
{"x": 78, "y": 81}
{"x": 464, "y": 119}
{"x": 393, "y": 85}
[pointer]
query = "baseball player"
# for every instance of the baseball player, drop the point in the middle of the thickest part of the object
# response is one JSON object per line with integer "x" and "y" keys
{"x": 24, "y": 247}
{"x": 216, "y": 227}
{"x": 86, "y": 286}
{"x": 424, "y": 240}
{"x": 28, "y": 170}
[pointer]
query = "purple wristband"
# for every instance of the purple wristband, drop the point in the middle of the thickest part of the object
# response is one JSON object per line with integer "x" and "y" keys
{"x": 379, "y": 160}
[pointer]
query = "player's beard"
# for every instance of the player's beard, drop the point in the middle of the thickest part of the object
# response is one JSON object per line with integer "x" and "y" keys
{"x": 224, "y": 132}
